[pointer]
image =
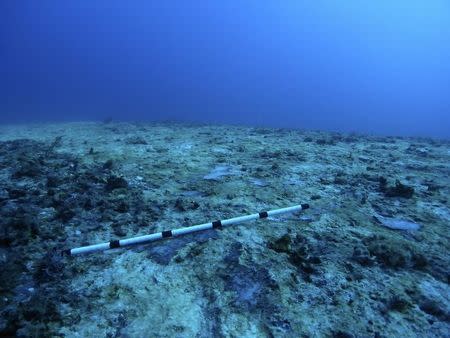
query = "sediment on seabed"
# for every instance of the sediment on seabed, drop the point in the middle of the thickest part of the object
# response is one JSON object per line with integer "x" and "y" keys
{"x": 369, "y": 258}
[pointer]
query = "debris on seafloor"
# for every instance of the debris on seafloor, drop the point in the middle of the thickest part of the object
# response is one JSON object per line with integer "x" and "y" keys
{"x": 397, "y": 224}
{"x": 218, "y": 172}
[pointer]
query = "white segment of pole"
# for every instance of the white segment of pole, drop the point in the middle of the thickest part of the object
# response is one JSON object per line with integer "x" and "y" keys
{"x": 180, "y": 231}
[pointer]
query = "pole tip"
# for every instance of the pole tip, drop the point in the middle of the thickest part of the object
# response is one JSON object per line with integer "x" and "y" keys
{"x": 305, "y": 206}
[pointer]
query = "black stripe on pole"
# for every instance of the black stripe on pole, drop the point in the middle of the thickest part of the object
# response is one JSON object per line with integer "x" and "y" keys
{"x": 166, "y": 233}
{"x": 114, "y": 244}
{"x": 217, "y": 224}
{"x": 65, "y": 252}
{"x": 263, "y": 214}
{"x": 305, "y": 206}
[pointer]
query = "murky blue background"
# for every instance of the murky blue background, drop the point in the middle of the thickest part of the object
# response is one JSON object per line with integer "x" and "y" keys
{"x": 365, "y": 66}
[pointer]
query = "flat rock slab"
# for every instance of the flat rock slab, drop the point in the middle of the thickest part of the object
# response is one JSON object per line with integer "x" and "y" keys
{"x": 398, "y": 224}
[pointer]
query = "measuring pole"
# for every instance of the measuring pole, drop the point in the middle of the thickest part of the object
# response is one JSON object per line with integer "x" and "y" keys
{"x": 180, "y": 231}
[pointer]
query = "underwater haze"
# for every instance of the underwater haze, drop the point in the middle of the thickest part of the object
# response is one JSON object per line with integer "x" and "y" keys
{"x": 380, "y": 67}
{"x": 269, "y": 169}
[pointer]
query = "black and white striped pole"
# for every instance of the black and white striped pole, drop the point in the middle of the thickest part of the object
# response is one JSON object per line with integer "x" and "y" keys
{"x": 180, "y": 231}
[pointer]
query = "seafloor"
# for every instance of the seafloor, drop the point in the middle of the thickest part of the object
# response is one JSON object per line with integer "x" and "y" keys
{"x": 370, "y": 258}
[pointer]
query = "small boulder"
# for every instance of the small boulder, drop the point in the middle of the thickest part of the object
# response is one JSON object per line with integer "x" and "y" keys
{"x": 399, "y": 190}
{"x": 116, "y": 182}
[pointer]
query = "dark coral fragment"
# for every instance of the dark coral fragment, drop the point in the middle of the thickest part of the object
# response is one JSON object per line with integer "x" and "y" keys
{"x": 299, "y": 251}
{"x": 116, "y": 182}
{"x": 399, "y": 190}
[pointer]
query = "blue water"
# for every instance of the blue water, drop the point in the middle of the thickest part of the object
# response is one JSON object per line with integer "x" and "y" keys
{"x": 378, "y": 67}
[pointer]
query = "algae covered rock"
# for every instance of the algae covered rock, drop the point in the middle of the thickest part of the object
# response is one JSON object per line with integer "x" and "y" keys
{"x": 398, "y": 190}
{"x": 395, "y": 253}
{"x": 300, "y": 253}
{"x": 282, "y": 244}
{"x": 116, "y": 182}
